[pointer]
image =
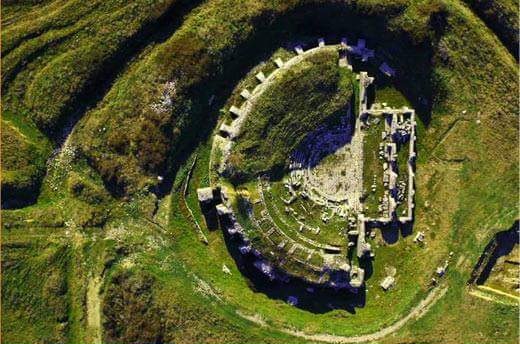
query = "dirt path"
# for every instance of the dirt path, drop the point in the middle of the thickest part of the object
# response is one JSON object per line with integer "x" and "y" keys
{"x": 417, "y": 312}
{"x": 494, "y": 295}
{"x": 94, "y": 310}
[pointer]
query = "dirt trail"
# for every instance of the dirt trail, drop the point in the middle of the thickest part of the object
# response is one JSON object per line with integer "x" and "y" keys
{"x": 94, "y": 310}
{"x": 417, "y": 312}
{"x": 495, "y": 295}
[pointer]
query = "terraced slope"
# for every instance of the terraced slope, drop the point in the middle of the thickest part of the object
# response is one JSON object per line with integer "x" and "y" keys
{"x": 127, "y": 94}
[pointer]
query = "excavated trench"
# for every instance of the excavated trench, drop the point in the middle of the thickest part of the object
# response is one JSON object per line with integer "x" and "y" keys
{"x": 501, "y": 245}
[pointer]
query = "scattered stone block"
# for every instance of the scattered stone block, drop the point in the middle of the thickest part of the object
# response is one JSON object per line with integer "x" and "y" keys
{"x": 387, "y": 283}
{"x": 419, "y": 238}
{"x": 292, "y": 300}
{"x": 357, "y": 277}
{"x": 265, "y": 267}
{"x": 223, "y": 210}
{"x": 278, "y": 62}
{"x": 205, "y": 195}
{"x": 235, "y": 111}
{"x": 244, "y": 249}
{"x": 260, "y": 76}
{"x": 440, "y": 271}
{"x": 245, "y": 94}
{"x": 225, "y": 269}
{"x": 386, "y": 69}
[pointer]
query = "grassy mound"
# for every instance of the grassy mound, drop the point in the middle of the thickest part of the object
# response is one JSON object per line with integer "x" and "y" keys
{"x": 296, "y": 103}
{"x": 171, "y": 312}
{"x": 58, "y": 58}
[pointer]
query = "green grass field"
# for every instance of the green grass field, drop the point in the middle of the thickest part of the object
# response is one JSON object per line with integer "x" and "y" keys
{"x": 373, "y": 168}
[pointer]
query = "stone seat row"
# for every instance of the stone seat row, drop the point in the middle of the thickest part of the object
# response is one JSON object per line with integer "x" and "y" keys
{"x": 278, "y": 238}
{"x": 359, "y": 50}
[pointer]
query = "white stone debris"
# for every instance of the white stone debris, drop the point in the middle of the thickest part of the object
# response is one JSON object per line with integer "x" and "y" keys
{"x": 298, "y": 49}
{"x": 245, "y": 94}
{"x": 205, "y": 195}
{"x": 260, "y": 76}
{"x": 164, "y": 104}
{"x": 387, "y": 283}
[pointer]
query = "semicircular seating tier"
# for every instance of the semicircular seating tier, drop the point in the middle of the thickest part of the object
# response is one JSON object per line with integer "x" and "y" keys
{"x": 281, "y": 248}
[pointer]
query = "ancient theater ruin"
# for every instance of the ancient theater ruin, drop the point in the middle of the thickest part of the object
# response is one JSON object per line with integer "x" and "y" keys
{"x": 344, "y": 180}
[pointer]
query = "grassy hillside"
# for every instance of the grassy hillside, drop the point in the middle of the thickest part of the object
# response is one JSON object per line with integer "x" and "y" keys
{"x": 135, "y": 88}
{"x": 58, "y": 62}
{"x": 34, "y": 301}
{"x": 502, "y": 17}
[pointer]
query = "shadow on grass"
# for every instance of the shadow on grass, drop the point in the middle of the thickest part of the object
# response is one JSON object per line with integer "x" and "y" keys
{"x": 392, "y": 231}
{"x": 311, "y": 297}
{"x": 390, "y": 235}
{"x": 325, "y": 141}
{"x": 501, "y": 245}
